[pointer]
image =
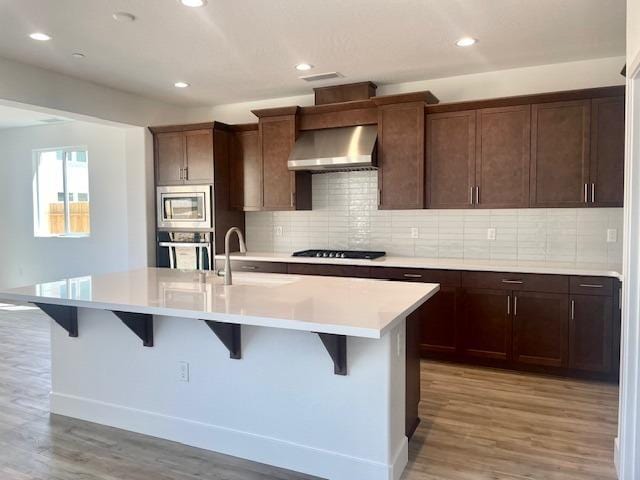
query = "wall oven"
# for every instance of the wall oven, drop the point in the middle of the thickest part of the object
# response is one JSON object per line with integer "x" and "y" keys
{"x": 185, "y": 206}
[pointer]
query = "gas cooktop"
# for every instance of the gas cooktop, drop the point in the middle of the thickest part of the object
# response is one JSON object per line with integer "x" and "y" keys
{"x": 356, "y": 254}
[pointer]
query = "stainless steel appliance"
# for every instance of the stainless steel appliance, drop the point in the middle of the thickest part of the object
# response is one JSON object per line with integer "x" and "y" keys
{"x": 344, "y": 148}
{"x": 354, "y": 254}
{"x": 185, "y": 206}
{"x": 185, "y": 250}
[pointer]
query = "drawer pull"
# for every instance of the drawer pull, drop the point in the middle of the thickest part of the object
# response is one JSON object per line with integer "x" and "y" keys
{"x": 508, "y": 304}
{"x": 516, "y": 282}
{"x": 573, "y": 309}
{"x": 412, "y": 275}
{"x": 248, "y": 267}
{"x": 591, "y": 285}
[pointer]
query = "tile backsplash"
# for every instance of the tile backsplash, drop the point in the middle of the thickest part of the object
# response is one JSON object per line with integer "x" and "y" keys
{"x": 345, "y": 216}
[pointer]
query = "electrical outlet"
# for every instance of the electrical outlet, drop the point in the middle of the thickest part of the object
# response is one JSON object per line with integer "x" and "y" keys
{"x": 491, "y": 233}
{"x": 278, "y": 230}
{"x": 415, "y": 233}
{"x": 183, "y": 371}
{"x": 612, "y": 235}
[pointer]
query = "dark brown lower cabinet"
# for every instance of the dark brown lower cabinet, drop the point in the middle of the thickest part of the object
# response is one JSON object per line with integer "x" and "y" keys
{"x": 438, "y": 322}
{"x": 590, "y": 333}
{"x": 486, "y": 325}
{"x": 540, "y": 328}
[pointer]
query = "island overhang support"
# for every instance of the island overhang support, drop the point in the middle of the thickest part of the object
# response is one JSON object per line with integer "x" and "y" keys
{"x": 139, "y": 323}
{"x": 230, "y": 335}
{"x": 336, "y": 345}
{"x": 63, "y": 315}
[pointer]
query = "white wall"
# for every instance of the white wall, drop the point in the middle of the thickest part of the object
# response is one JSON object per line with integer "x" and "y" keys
{"x": 29, "y": 85}
{"x": 25, "y": 259}
{"x": 633, "y": 31}
{"x": 518, "y": 81}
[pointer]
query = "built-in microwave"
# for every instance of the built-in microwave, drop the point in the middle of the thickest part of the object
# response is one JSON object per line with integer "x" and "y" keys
{"x": 185, "y": 206}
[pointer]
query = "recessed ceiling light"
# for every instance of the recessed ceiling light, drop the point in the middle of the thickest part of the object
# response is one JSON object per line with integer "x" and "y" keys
{"x": 124, "y": 17}
{"x": 303, "y": 67}
{"x": 466, "y": 42}
{"x": 193, "y": 3}
{"x": 41, "y": 37}
{"x": 181, "y": 84}
{"x": 77, "y": 55}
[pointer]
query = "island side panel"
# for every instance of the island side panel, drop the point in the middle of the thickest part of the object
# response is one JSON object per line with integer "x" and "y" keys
{"x": 281, "y": 404}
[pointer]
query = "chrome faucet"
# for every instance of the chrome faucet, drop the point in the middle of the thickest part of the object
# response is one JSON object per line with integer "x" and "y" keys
{"x": 227, "y": 260}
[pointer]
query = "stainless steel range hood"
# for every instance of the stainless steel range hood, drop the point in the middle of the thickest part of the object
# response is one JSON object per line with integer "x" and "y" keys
{"x": 346, "y": 148}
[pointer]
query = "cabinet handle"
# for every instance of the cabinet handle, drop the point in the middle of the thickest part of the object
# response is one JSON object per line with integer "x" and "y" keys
{"x": 573, "y": 309}
{"x": 515, "y": 305}
{"x": 412, "y": 275}
{"x": 508, "y": 304}
{"x": 292, "y": 199}
{"x": 586, "y": 193}
{"x": 593, "y": 193}
{"x": 517, "y": 282}
{"x": 379, "y": 196}
{"x": 471, "y": 196}
{"x": 186, "y": 173}
{"x": 477, "y": 195}
{"x": 591, "y": 285}
{"x": 248, "y": 267}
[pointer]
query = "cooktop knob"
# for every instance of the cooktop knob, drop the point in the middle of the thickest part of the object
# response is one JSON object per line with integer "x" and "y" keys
{"x": 325, "y": 254}
{"x": 318, "y": 254}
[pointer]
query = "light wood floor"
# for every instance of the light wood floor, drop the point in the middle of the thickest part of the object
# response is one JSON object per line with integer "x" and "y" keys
{"x": 478, "y": 424}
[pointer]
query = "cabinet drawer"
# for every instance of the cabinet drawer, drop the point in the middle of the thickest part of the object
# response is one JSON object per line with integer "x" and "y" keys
{"x": 328, "y": 270}
{"x": 528, "y": 282}
{"x": 592, "y": 286}
{"x": 443, "y": 277}
{"x": 259, "y": 267}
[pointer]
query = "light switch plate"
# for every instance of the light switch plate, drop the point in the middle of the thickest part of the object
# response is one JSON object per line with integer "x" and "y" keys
{"x": 278, "y": 230}
{"x": 414, "y": 233}
{"x": 612, "y": 235}
{"x": 183, "y": 371}
{"x": 491, "y": 233}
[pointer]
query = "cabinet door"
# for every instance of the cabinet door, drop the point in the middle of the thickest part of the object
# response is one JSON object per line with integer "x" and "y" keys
{"x": 246, "y": 171}
{"x": 486, "y": 326}
{"x": 170, "y": 158}
{"x": 540, "y": 328}
{"x": 401, "y": 155}
{"x": 438, "y": 322}
{"x": 451, "y": 150}
{"x": 199, "y": 156}
{"x": 503, "y": 145}
{"x": 277, "y": 136}
{"x": 590, "y": 329}
{"x": 560, "y": 154}
{"x": 607, "y": 152}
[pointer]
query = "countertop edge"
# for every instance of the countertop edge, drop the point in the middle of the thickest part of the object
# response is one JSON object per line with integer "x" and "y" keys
{"x": 409, "y": 262}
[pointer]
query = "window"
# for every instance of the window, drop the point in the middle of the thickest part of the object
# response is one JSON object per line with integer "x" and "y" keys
{"x": 61, "y": 192}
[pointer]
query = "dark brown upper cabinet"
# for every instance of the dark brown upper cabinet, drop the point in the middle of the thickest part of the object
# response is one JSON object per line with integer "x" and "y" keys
{"x": 246, "y": 170}
{"x": 401, "y": 180}
{"x": 451, "y": 151}
{"x": 502, "y": 157}
{"x": 184, "y": 157}
{"x": 607, "y": 152}
{"x": 560, "y": 144}
{"x": 281, "y": 189}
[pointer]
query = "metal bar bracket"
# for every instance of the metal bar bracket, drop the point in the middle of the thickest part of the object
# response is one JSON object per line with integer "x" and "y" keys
{"x": 139, "y": 323}
{"x": 230, "y": 336}
{"x": 336, "y": 345}
{"x": 63, "y": 315}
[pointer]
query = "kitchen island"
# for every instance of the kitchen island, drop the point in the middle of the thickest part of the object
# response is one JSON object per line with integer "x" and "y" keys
{"x": 301, "y": 372}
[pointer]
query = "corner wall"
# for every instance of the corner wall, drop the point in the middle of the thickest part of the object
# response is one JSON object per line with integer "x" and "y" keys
{"x": 25, "y": 259}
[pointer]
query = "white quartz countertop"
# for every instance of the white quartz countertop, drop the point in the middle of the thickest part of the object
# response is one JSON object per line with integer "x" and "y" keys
{"x": 344, "y": 306}
{"x": 559, "y": 268}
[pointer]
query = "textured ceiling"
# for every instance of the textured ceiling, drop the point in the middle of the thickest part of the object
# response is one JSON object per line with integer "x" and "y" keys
{"x": 234, "y": 50}
{"x": 11, "y": 117}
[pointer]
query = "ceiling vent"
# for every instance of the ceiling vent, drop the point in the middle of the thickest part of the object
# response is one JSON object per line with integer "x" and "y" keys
{"x": 321, "y": 76}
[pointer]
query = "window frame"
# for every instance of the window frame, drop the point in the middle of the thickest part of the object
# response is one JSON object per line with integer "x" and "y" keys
{"x": 37, "y": 230}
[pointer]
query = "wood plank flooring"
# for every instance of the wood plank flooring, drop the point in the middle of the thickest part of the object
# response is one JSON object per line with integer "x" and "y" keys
{"x": 478, "y": 424}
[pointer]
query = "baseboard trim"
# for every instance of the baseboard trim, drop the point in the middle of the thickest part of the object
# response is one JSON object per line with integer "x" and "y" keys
{"x": 247, "y": 445}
